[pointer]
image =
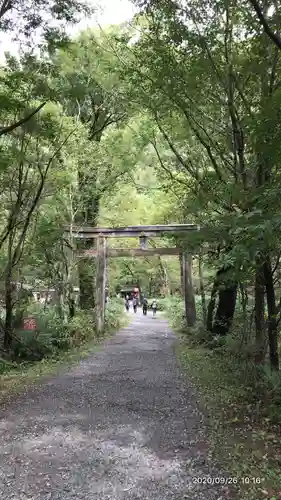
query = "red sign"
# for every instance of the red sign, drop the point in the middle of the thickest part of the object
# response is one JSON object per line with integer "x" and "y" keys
{"x": 29, "y": 324}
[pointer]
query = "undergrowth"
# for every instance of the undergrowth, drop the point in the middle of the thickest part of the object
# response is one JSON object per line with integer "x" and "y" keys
{"x": 55, "y": 342}
{"x": 242, "y": 402}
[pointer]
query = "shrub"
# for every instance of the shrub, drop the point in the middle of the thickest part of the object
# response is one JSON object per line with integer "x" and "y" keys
{"x": 6, "y": 366}
{"x": 32, "y": 347}
{"x": 199, "y": 335}
{"x": 114, "y": 314}
{"x": 49, "y": 337}
{"x": 81, "y": 328}
{"x": 53, "y": 334}
{"x": 174, "y": 306}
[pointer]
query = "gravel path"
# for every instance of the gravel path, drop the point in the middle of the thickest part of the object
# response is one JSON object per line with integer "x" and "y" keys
{"x": 123, "y": 425}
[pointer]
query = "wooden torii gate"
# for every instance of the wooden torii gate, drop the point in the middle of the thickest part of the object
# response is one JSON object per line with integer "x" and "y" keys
{"x": 101, "y": 251}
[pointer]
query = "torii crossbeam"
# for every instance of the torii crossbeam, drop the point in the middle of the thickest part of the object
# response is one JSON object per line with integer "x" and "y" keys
{"x": 130, "y": 231}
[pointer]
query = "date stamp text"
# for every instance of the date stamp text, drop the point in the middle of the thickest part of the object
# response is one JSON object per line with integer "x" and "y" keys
{"x": 226, "y": 481}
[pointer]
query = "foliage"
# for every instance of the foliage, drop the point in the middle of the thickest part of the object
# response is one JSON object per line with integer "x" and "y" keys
{"x": 28, "y": 21}
{"x": 32, "y": 348}
{"x": 53, "y": 336}
{"x": 114, "y": 315}
{"x": 6, "y": 366}
{"x": 220, "y": 153}
{"x": 257, "y": 381}
{"x": 174, "y": 308}
{"x": 81, "y": 328}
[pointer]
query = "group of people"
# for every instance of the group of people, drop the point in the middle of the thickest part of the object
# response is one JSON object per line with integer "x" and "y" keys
{"x": 144, "y": 305}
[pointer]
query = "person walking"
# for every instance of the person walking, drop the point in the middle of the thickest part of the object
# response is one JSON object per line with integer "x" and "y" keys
{"x": 127, "y": 304}
{"x": 135, "y": 304}
{"x": 144, "y": 306}
{"x": 154, "y": 307}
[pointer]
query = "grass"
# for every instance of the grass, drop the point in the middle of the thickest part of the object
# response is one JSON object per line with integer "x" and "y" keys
{"x": 243, "y": 441}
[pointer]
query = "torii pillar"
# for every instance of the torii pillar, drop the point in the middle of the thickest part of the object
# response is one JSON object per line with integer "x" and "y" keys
{"x": 100, "y": 283}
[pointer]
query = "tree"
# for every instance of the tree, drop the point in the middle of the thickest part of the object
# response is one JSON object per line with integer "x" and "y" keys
{"x": 224, "y": 121}
{"x": 32, "y": 154}
{"x": 90, "y": 95}
{"x": 33, "y": 19}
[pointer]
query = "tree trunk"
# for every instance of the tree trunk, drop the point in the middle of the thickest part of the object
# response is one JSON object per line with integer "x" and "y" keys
{"x": 8, "y": 334}
{"x": 87, "y": 277}
{"x": 202, "y": 289}
{"x": 60, "y": 301}
{"x": 87, "y": 267}
{"x": 212, "y": 306}
{"x": 225, "y": 310}
{"x": 189, "y": 299}
{"x": 227, "y": 294}
{"x": 259, "y": 313}
{"x": 272, "y": 314}
{"x": 9, "y": 293}
{"x": 71, "y": 302}
{"x": 244, "y": 303}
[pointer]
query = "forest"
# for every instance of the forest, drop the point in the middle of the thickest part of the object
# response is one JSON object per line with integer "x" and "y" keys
{"x": 173, "y": 117}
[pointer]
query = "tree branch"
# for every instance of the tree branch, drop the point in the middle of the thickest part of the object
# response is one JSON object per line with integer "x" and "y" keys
{"x": 10, "y": 128}
{"x": 273, "y": 36}
{"x": 180, "y": 159}
{"x": 6, "y": 5}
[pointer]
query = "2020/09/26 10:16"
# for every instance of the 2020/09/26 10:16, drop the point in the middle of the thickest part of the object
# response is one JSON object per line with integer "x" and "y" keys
{"x": 226, "y": 480}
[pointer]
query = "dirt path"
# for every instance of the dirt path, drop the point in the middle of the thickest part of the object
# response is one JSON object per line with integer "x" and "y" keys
{"x": 121, "y": 425}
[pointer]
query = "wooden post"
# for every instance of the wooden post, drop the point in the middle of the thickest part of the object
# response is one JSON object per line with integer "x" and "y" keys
{"x": 143, "y": 242}
{"x": 100, "y": 283}
{"x": 189, "y": 299}
{"x": 181, "y": 269}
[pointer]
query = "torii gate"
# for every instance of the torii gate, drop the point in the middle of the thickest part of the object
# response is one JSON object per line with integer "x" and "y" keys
{"x": 101, "y": 252}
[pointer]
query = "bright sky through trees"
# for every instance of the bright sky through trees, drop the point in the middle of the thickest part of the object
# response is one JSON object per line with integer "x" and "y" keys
{"x": 107, "y": 12}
